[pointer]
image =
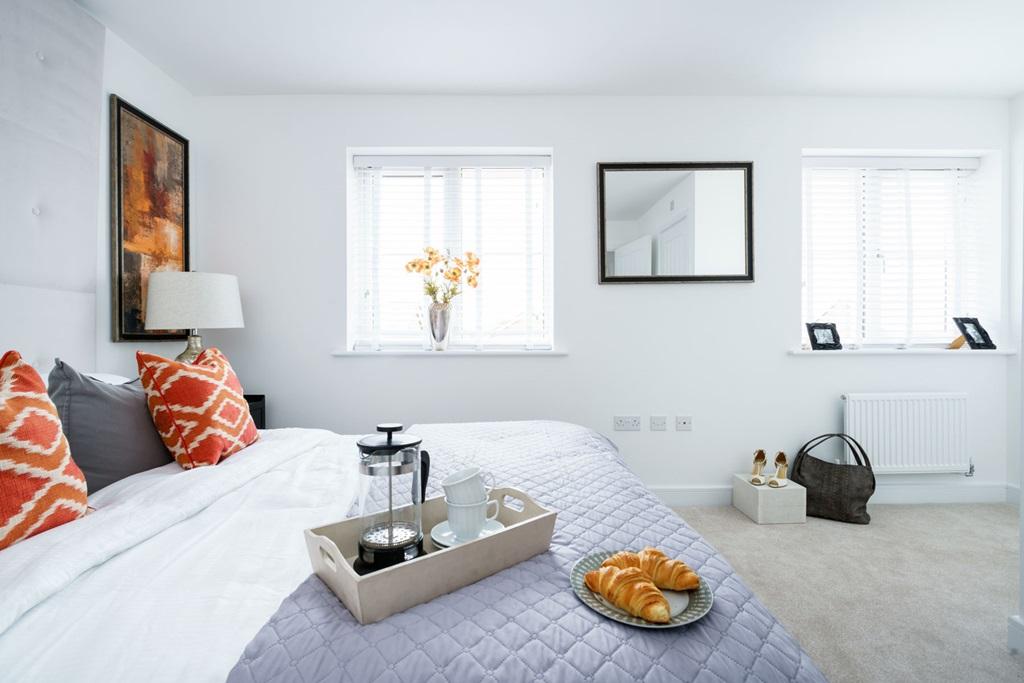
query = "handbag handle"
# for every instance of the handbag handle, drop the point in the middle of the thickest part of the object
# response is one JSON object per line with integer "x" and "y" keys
{"x": 858, "y": 451}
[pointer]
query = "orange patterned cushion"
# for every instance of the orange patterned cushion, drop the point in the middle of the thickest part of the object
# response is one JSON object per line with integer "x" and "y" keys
{"x": 40, "y": 485}
{"x": 198, "y": 408}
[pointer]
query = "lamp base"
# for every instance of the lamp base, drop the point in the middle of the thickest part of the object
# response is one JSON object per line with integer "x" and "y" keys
{"x": 192, "y": 350}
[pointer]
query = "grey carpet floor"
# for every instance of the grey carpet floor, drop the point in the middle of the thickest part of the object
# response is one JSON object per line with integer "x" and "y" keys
{"x": 920, "y": 594}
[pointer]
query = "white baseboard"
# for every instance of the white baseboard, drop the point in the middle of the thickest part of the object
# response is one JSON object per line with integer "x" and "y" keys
{"x": 684, "y": 496}
{"x": 967, "y": 491}
{"x": 1013, "y": 494}
{"x": 1015, "y": 639}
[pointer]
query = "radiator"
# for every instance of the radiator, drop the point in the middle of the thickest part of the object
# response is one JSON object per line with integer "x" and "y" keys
{"x": 910, "y": 433}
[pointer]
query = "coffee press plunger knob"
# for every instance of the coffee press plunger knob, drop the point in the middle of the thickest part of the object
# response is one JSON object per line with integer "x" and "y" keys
{"x": 389, "y": 428}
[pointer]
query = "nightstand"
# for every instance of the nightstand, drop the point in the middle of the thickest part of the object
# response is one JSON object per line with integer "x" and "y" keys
{"x": 258, "y": 409}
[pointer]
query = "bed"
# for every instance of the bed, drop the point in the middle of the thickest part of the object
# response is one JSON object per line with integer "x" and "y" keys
{"x": 202, "y": 575}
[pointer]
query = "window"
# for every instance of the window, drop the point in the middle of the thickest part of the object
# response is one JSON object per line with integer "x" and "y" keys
{"x": 895, "y": 248}
{"x": 496, "y": 205}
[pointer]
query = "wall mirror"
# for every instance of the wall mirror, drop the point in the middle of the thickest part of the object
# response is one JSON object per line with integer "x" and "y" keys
{"x": 675, "y": 222}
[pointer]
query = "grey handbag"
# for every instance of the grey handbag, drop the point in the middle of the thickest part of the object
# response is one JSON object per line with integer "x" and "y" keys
{"x": 834, "y": 491}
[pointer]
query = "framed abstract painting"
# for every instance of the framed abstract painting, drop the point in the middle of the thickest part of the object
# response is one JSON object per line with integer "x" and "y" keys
{"x": 148, "y": 214}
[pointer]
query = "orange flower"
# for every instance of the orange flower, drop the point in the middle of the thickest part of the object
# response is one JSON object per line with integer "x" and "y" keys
{"x": 437, "y": 263}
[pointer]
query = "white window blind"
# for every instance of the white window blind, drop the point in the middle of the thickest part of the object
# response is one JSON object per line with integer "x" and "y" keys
{"x": 892, "y": 254}
{"x": 497, "y": 206}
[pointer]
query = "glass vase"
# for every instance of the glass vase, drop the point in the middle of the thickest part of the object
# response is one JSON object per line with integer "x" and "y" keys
{"x": 440, "y": 316}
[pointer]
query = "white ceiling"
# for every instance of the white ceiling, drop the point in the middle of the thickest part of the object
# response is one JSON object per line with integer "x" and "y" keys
{"x": 730, "y": 47}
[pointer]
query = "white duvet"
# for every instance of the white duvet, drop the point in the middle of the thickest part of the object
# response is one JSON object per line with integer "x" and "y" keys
{"x": 176, "y": 570}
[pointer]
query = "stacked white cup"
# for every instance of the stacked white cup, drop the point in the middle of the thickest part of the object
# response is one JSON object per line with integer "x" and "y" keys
{"x": 466, "y": 493}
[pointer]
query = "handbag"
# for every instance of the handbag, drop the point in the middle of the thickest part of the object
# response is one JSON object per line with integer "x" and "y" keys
{"x": 834, "y": 491}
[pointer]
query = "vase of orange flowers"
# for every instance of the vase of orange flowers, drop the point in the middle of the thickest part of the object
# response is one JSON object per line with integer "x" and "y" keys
{"x": 443, "y": 277}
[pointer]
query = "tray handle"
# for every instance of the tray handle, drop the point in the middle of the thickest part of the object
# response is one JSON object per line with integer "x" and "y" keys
{"x": 522, "y": 506}
{"x": 328, "y": 553}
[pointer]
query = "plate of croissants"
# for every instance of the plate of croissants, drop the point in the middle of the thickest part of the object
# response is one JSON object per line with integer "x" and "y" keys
{"x": 646, "y": 589}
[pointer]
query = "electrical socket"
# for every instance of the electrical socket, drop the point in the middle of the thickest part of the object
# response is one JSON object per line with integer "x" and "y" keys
{"x": 659, "y": 423}
{"x": 627, "y": 423}
{"x": 684, "y": 423}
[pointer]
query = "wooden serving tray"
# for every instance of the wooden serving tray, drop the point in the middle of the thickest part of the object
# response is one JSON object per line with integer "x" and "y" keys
{"x": 372, "y": 597}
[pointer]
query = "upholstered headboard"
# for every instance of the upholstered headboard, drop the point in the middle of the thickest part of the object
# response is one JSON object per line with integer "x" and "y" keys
{"x": 51, "y": 80}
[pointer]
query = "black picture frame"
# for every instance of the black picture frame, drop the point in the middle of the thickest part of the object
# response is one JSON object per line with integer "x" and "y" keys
{"x": 124, "y": 327}
{"x": 975, "y": 335}
{"x": 748, "y": 181}
{"x": 817, "y": 345}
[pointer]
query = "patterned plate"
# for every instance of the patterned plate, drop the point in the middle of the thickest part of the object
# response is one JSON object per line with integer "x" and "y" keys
{"x": 686, "y": 607}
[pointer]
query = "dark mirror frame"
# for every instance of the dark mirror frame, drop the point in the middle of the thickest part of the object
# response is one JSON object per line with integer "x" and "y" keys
{"x": 748, "y": 172}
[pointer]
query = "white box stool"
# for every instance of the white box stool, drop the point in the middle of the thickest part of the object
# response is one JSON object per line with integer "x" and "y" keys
{"x": 766, "y": 505}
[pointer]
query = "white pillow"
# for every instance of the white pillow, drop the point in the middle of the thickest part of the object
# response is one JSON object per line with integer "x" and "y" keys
{"x": 108, "y": 379}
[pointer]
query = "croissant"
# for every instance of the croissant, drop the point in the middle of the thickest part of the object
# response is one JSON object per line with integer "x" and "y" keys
{"x": 666, "y": 573}
{"x": 630, "y": 590}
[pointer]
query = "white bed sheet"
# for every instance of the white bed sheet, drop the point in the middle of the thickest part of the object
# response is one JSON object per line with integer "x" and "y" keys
{"x": 175, "y": 571}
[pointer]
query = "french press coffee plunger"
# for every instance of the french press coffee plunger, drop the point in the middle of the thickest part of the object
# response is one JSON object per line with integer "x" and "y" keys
{"x": 393, "y": 485}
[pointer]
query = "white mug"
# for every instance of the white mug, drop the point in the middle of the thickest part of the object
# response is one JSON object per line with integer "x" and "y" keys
{"x": 468, "y": 486}
{"x": 467, "y": 521}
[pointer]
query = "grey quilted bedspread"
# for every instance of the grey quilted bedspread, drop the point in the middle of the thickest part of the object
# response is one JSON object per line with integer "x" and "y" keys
{"x": 525, "y": 623}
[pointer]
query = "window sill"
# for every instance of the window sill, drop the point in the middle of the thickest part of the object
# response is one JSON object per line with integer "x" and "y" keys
{"x": 906, "y": 352}
{"x": 462, "y": 353}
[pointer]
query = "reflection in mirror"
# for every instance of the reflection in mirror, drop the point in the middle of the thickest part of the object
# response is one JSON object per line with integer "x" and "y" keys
{"x": 675, "y": 222}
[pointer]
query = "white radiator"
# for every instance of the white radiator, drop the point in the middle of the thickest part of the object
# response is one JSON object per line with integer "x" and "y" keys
{"x": 910, "y": 433}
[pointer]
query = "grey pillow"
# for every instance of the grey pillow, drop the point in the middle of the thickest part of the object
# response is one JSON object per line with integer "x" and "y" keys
{"x": 108, "y": 426}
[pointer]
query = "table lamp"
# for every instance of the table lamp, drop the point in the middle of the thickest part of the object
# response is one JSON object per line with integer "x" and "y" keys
{"x": 192, "y": 301}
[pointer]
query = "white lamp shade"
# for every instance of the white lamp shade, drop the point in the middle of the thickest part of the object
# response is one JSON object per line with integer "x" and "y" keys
{"x": 193, "y": 301}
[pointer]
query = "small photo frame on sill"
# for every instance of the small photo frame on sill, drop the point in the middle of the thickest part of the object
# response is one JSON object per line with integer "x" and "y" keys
{"x": 824, "y": 336}
{"x": 973, "y": 333}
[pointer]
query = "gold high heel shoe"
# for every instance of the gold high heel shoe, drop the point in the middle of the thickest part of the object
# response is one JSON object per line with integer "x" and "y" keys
{"x": 781, "y": 467}
{"x": 758, "y": 478}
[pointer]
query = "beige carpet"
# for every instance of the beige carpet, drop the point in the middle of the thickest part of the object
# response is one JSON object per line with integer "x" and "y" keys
{"x": 921, "y": 594}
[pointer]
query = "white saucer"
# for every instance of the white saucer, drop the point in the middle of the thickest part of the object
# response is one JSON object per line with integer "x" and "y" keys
{"x": 443, "y": 536}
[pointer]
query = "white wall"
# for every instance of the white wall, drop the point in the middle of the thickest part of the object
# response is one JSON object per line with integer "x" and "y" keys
{"x": 719, "y": 219}
{"x": 664, "y": 213}
{"x": 271, "y": 208}
{"x": 618, "y": 233}
{"x": 679, "y": 199}
{"x": 135, "y": 79}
